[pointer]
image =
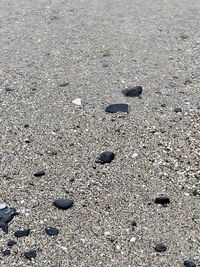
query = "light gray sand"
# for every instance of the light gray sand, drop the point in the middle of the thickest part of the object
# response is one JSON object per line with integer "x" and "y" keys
{"x": 155, "y": 44}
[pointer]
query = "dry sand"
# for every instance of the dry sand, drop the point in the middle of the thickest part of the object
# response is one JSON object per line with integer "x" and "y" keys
{"x": 98, "y": 48}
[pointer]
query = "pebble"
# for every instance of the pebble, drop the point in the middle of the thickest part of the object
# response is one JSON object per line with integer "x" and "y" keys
{"x": 106, "y": 157}
{"x": 6, "y": 216}
{"x": 22, "y": 233}
{"x": 30, "y": 254}
{"x": 162, "y": 200}
{"x": 133, "y": 239}
{"x": 39, "y": 173}
{"x": 77, "y": 101}
{"x": 2, "y": 206}
{"x": 189, "y": 264}
{"x": 105, "y": 65}
{"x": 177, "y": 109}
{"x": 132, "y": 91}
{"x": 51, "y": 230}
{"x": 64, "y": 84}
{"x": 117, "y": 108}
{"x": 63, "y": 204}
{"x": 11, "y": 243}
{"x": 6, "y": 252}
{"x": 160, "y": 248}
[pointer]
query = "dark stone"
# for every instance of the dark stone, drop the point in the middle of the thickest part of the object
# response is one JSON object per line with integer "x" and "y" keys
{"x": 132, "y": 91}
{"x": 30, "y": 254}
{"x": 189, "y": 264}
{"x": 6, "y": 252}
{"x": 39, "y": 173}
{"x": 105, "y": 65}
{"x": 63, "y": 204}
{"x": 63, "y": 84}
{"x": 11, "y": 243}
{"x": 6, "y": 216}
{"x": 117, "y": 108}
{"x": 51, "y": 230}
{"x": 163, "y": 105}
{"x": 22, "y": 233}
{"x": 26, "y": 125}
{"x": 177, "y": 109}
{"x": 106, "y": 157}
{"x": 160, "y": 248}
{"x": 162, "y": 200}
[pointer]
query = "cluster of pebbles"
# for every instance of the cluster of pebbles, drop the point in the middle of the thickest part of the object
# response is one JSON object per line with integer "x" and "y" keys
{"x": 7, "y": 213}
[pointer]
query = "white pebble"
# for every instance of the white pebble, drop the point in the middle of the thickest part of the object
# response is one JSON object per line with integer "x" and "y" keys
{"x": 133, "y": 239}
{"x": 2, "y": 206}
{"x": 77, "y": 101}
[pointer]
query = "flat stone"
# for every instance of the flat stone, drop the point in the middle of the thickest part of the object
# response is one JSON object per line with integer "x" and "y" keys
{"x": 39, "y": 173}
{"x": 117, "y": 108}
{"x": 162, "y": 200}
{"x": 3, "y": 206}
{"x": 189, "y": 264}
{"x": 132, "y": 91}
{"x": 64, "y": 84}
{"x": 51, "y": 230}
{"x": 106, "y": 157}
{"x": 30, "y": 254}
{"x": 22, "y": 233}
{"x": 160, "y": 248}
{"x": 77, "y": 101}
{"x": 6, "y": 216}
{"x": 63, "y": 204}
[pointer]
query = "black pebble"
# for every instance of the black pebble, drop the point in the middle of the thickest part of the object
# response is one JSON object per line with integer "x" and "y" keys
{"x": 6, "y": 216}
{"x": 106, "y": 157}
{"x": 105, "y": 65}
{"x": 22, "y": 233}
{"x": 162, "y": 200}
{"x": 6, "y": 252}
{"x": 163, "y": 105}
{"x": 160, "y": 248}
{"x": 39, "y": 173}
{"x": 30, "y": 254}
{"x": 51, "y": 230}
{"x": 63, "y": 204}
{"x": 189, "y": 264}
{"x": 26, "y": 125}
{"x": 117, "y": 108}
{"x": 64, "y": 84}
{"x": 132, "y": 91}
{"x": 11, "y": 243}
{"x": 177, "y": 109}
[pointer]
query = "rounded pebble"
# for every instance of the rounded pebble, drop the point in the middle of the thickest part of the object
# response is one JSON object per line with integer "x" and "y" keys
{"x": 177, "y": 109}
{"x": 117, "y": 108}
{"x": 133, "y": 91}
{"x": 106, "y": 157}
{"x": 22, "y": 233}
{"x": 11, "y": 243}
{"x": 6, "y": 252}
{"x": 63, "y": 204}
{"x": 51, "y": 230}
{"x": 160, "y": 248}
{"x": 162, "y": 200}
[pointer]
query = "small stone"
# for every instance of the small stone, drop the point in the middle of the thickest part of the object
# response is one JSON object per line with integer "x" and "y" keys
{"x": 184, "y": 36}
{"x": 39, "y": 173}
{"x": 177, "y": 109}
{"x": 26, "y": 126}
{"x": 106, "y": 157}
{"x": 6, "y": 216}
{"x": 105, "y": 65}
{"x": 11, "y": 243}
{"x": 163, "y": 105}
{"x": 30, "y": 254}
{"x": 117, "y": 108}
{"x": 64, "y": 84}
{"x": 77, "y": 101}
{"x": 51, "y": 230}
{"x": 162, "y": 200}
{"x": 22, "y": 233}
{"x": 132, "y": 91}
{"x": 160, "y": 248}
{"x": 63, "y": 204}
{"x": 133, "y": 239}
{"x": 6, "y": 252}
{"x": 189, "y": 264}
